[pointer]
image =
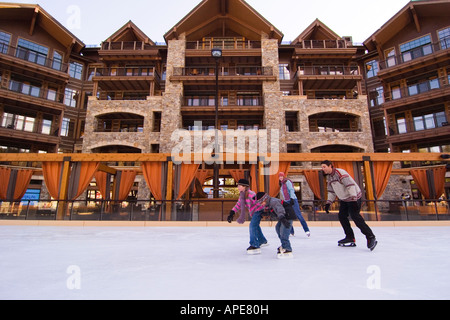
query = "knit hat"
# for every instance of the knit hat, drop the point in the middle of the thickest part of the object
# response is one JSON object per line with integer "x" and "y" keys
{"x": 261, "y": 197}
{"x": 244, "y": 182}
{"x": 281, "y": 174}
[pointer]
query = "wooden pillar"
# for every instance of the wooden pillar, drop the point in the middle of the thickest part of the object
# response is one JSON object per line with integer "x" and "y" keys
{"x": 261, "y": 176}
{"x": 370, "y": 192}
{"x": 64, "y": 187}
{"x": 169, "y": 190}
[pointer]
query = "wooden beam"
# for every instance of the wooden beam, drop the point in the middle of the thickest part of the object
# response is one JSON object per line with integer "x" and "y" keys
{"x": 162, "y": 157}
{"x": 63, "y": 190}
{"x": 33, "y": 21}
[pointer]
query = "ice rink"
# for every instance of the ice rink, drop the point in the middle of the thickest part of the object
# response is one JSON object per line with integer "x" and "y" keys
{"x": 211, "y": 263}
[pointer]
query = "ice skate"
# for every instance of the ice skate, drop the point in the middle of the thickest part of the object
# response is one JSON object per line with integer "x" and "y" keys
{"x": 347, "y": 242}
{"x": 253, "y": 250}
{"x": 372, "y": 243}
{"x": 308, "y": 234}
{"x": 284, "y": 254}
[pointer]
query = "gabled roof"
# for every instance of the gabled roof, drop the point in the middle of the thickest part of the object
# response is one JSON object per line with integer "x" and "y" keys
{"x": 410, "y": 14}
{"x": 38, "y": 16}
{"x": 129, "y": 32}
{"x": 224, "y": 18}
{"x": 317, "y": 31}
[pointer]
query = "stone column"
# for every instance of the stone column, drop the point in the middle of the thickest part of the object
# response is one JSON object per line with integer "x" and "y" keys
{"x": 172, "y": 98}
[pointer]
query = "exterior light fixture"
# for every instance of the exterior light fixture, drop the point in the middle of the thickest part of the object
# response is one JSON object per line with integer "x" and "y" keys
{"x": 216, "y": 53}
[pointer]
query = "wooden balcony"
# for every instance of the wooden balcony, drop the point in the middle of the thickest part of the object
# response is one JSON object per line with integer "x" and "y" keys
{"x": 324, "y": 49}
{"x": 128, "y": 50}
{"x": 25, "y": 136}
{"x": 30, "y": 63}
{"x": 128, "y": 79}
{"x": 420, "y": 60}
{"x": 241, "y": 74}
{"x": 230, "y": 48}
{"x": 36, "y": 102}
{"x": 328, "y": 77}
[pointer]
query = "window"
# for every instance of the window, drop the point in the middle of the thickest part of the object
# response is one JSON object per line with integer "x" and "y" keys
{"x": 390, "y": 57}
{"x": 416, "y": 48}
{"x": 46, "y": 127}
{"x": 32, "y": 52}
{"x": 70, "y": 98}
{"x": 5, "y": 38}
{"x": 429, "y": 121}
{"x": 444, "y": 38}
{"x": 65, "y": 127}
{"x": 372, "y": 68}
{"x": 376, "y": 97}
{"x": 57, "y": 61}
{"x": 401, "y": 123}
{"x": 396, "y": 92}
{"x": 76, "y": 70}
{"x": 284, "y": 71}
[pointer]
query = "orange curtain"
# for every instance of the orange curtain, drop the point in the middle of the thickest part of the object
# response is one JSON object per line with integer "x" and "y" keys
{"x": 100, "y": 178}
{"x": 22, "y": 183}
{"x": 346, "y": 165}
{"x": 421, "y": 180}
{"x": 126, "y": 183}
{"x": 253, "y": 178}
{"x": 5, "y": 173}
{"x": 312, "y": 177}
{"x": 382, "y": 172}
{"x": 52, "y": 177}
{"x": 201, "y": 176}
{"x": 187, "y": 174}
{"x": 153, "y": 176}
{"x": 274, "y": 187}
{"x": 87, "y": 171}
{"x": 439, "y": 180}
{"x": 237, "y": 174}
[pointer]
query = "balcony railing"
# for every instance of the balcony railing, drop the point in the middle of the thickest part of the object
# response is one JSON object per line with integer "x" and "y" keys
{"x": 35, "y": 91}
{"x": 126, "y": 72}
{"x": 237, "y": 44}
{"x": 126, "y": 45}
{"x": 224, "y": 71}
{"x": 322, "y": 44}
{"x": 419, "y": 52}
{"x": 328, "y": 70}
{"x": 417, "y": 88}
{"x": 210, "y": 101}
{"x": 33, "y": 57}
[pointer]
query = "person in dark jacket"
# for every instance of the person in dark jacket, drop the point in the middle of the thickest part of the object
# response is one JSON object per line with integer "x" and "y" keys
{"x": 285, "y": 214}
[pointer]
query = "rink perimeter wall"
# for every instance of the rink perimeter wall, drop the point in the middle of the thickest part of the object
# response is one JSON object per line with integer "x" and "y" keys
{"x": 202, "y": 224}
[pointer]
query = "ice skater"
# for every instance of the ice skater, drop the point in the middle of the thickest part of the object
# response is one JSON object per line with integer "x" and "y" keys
{"x": 247, "y": 200}
{"x": 287, "y": 193}
{"x": 285, "y": 215}
{"x": 341, "y": 185}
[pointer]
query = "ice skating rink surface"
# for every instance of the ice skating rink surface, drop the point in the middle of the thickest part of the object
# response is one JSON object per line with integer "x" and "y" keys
{"x": 210, "y": 263}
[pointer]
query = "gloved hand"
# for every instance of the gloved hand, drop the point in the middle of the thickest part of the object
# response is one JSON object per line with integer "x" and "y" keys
{"x": 327, "y": 208}
{"x": 230, "y": 217}
{"x": 285, "y": 222}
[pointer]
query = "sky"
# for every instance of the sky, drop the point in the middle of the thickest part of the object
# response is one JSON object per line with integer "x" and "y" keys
{"x": 94, "y": 21}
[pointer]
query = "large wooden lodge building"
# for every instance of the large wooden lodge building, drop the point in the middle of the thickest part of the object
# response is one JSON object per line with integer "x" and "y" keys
{"x": 322, "y": 92}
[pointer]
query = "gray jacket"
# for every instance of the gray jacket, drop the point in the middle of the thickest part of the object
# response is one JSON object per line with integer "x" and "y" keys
{"x": 281, "y": 208}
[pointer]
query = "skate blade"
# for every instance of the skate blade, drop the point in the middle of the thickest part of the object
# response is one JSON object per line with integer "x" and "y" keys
{"x": 253, "y": 252}
{"x": 285, "y": 256}
{"x": 371, "y": 249}
{"x": 347, "y": 245}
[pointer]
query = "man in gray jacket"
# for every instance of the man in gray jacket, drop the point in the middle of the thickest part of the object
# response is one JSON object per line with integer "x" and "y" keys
{"x": 285, "y": 214}
{"x": 341, "y": 185}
